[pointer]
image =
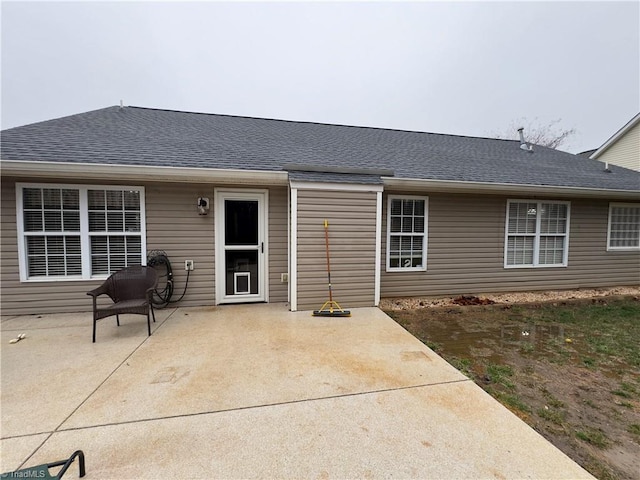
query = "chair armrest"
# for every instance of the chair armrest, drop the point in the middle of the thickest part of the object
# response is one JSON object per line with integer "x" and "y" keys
{"x": 102, "y": 289}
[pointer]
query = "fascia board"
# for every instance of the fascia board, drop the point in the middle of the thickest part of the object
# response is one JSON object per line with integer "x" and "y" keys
{"x": 89, "y": 171}
{"x": 450, "y": 186}
{"x": 614, "y": 138}
{"x": 350, "y": 187}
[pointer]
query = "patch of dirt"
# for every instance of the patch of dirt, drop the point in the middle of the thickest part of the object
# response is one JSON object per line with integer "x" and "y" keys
{"x": 507, "y": 298}
{"x": 471, "y": 300}
{"x": 563, "y": 375}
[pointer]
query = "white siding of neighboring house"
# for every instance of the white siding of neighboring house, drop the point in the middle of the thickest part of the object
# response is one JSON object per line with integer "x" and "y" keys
{"x": 624, "y": 152}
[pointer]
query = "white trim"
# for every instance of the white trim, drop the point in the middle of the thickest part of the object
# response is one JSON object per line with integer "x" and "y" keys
{"x": 236, "y": 276}
{"x": 85, "y": 235}
{"x": 93, "y": 171}
{"x": 537, "y": 235}
{"x": 619, "y": 249}
{"x": 378, "y": 255}
{"x": 346, "y": 187}
{"x": 293, "y": 260}
{"x": 454, "y": 186}
{"x": 262, "y": 197}
{"x": 289, "y": 245}
{"x": 614, "y": 138}
{"x": 425, "y": 234}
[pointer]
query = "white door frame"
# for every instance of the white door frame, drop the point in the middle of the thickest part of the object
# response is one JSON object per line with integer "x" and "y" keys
{"x": 262, "y": 197}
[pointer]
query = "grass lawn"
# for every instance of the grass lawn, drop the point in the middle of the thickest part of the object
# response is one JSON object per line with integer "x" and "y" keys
{"x": 569, "y": 369}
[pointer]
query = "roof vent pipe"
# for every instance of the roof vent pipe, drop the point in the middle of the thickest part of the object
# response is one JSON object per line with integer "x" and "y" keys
{"x": 523, "y": 144}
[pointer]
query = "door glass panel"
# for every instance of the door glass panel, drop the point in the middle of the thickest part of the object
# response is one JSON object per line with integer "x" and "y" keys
{"x": 241, "y": 272}
{"x": 241, "y": 222}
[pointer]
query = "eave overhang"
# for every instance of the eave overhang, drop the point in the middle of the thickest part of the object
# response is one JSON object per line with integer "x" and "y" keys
{"x": 452, "y": 186}
{"x": 90, "y": 171}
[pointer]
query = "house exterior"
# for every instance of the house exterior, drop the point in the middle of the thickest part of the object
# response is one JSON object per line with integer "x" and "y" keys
{"x": 245, "y": 199}
{"x": 623, "y": 148}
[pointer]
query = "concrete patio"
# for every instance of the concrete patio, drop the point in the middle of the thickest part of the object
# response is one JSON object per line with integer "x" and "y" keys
{"x": 253, "y": 391}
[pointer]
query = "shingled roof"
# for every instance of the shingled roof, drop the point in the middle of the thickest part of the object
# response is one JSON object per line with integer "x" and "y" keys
{"x": 165, "y": 138}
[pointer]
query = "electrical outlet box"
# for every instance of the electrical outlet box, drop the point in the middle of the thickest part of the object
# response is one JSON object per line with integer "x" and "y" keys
{"x": 188, "y": 265}
{"x": 284, "y": 277}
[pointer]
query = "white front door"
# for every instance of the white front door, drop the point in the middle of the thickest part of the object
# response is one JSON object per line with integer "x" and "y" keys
{"x": 241, "y": 219}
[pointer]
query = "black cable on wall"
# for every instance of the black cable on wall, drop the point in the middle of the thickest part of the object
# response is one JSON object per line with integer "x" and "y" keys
{"x": 159, "y": 260}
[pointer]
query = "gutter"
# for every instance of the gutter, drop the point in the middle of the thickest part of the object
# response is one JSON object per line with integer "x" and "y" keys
{"x": 91, "y": 171}
{"x": 456, "y": 186}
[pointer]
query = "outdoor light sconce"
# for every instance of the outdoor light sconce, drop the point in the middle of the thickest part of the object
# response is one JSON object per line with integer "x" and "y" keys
{"x": 203, "y": 206}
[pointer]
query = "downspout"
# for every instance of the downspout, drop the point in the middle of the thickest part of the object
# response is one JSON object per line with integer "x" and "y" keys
{"x": 378, "y": 254}
{"x": 293, "y": 266}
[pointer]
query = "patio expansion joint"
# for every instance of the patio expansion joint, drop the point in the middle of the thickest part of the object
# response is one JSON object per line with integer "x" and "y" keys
{"x": 58, "y": 428}
{"x": 252, "y": 407}
{"x": 27, "y": 435}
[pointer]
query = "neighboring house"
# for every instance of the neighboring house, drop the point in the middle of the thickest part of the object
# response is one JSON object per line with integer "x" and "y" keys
{"x": 410, "y": 213}
{"x": 623, "y": 148}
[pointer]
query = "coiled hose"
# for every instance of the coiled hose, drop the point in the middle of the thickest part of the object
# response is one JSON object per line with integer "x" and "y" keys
{"x": 159, "y": 260}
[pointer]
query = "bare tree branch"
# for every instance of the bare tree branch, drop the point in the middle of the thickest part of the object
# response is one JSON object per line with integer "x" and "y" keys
{"x": 549, "y": 134}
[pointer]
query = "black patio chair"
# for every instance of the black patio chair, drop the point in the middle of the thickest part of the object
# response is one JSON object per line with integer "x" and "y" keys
{"x": 42, "y": 471}
{"x": 131, "y": 290}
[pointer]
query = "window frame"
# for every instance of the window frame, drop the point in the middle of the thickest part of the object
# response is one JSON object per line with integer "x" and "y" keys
{"x": 84, "y": 233}
{"x": 537, "y": 235}
{"x": 425, "y": 235}
{"x": 612, "y": 205}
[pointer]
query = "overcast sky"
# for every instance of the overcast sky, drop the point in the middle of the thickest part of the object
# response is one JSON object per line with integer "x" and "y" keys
{"x": 468, "y": 68}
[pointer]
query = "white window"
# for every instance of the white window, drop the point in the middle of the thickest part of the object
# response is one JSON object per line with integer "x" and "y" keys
{"x": 624, "y": 226}
{"x": 78, "y": 232}
{"x": 407, "y": 233}
{"x": 537, "y": 234}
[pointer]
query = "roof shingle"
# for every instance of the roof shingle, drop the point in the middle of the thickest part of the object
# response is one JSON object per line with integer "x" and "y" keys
{"x": 150, "y": 137}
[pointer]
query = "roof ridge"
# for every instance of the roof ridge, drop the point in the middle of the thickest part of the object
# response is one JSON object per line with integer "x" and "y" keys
{"x": 308, "y": 122}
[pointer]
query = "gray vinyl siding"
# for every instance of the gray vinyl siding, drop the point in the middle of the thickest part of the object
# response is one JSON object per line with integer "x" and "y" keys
{"x": 172, "y": 225}
{"x": 466, "y": 252}
{"x": 33, "y": 297}
{"x": 278, "y": 244}
{"x": 352, "y": 226}
{"x": 625, "y": 152}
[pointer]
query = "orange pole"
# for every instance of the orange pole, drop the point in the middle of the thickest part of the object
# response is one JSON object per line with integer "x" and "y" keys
{"x": 326, "y": 242}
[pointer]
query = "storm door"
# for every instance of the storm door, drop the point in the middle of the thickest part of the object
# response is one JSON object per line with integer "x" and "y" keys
{"x": 240, "y": 237}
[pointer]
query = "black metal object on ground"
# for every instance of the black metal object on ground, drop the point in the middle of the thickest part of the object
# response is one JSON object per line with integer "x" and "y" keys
{"x": 42, "y": 471}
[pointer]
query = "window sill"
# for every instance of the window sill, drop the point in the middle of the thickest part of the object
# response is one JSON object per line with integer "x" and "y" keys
{"x": 402, "y": 270}
{"x": 101, "y": 278}
{"x": 509, "y": 267}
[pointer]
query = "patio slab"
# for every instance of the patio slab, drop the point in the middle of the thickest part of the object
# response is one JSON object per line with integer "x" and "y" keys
{"x": 46, "y": 376}
{"x": 248, "y": 356}
{"x": 255, "y": 391}
{"x": 443, "y": 431}
{"x": 15, "y": 451}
